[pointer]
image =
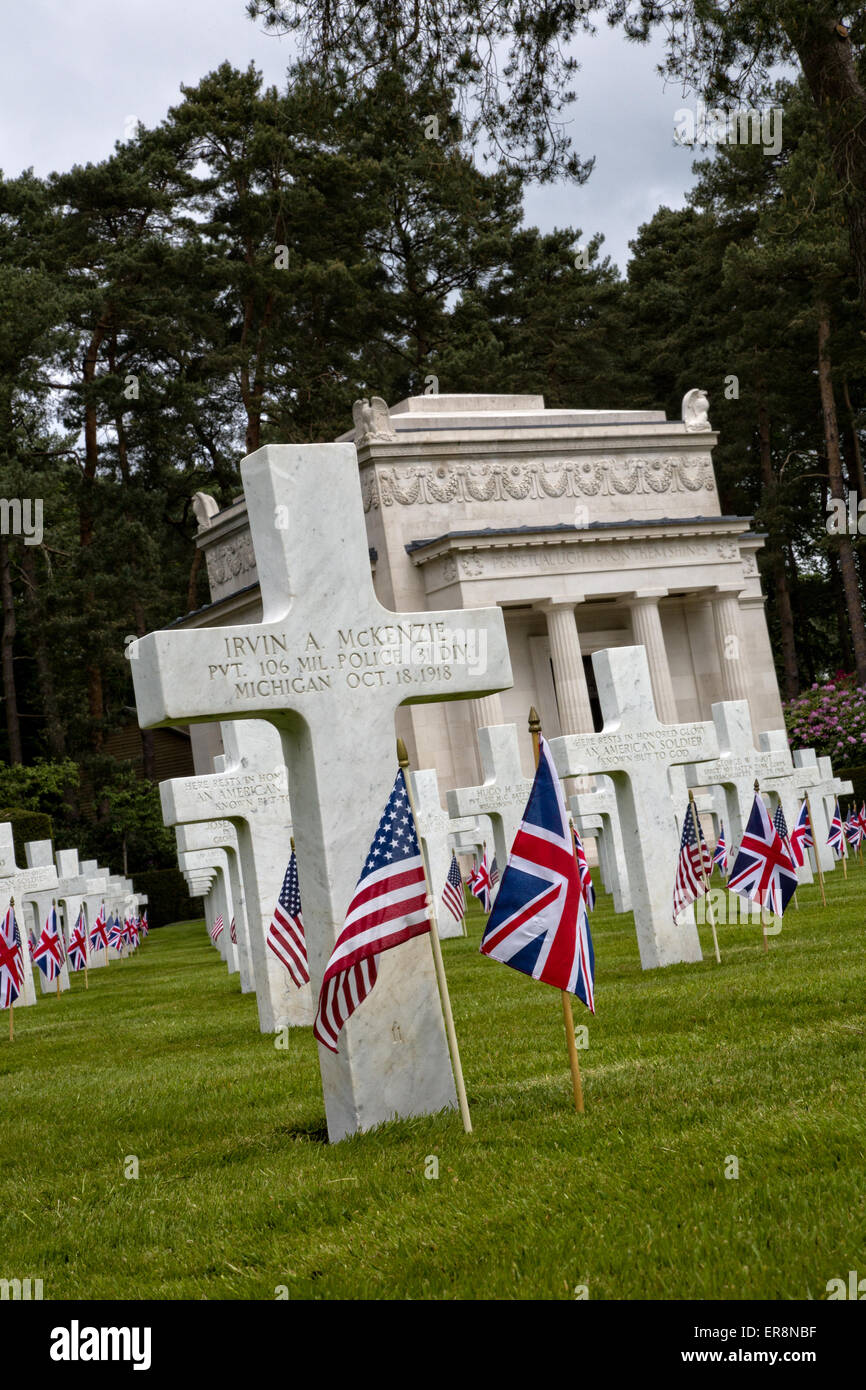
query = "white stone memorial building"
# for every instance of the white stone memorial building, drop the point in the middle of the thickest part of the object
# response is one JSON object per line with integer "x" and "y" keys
{"x": 589, "y": 529}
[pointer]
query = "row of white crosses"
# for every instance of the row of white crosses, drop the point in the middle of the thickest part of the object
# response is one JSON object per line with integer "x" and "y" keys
{"x": 58, "y": 879}
{"x": 327, "y": 667}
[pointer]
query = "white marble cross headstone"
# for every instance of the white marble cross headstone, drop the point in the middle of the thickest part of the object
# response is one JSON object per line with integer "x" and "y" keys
{"x": 17, "y": 883}
{"x": 219, "y": 838}
{"x": 504, "y": 792}
{"x": 737, "y": 768}
{"x": 611, "y": 851}
{"x": 40, "y": 853}
{"x": 218, "y": 903}
{"x": 436, "y": 828}
{"x": 788, "y": 791}
{"x": 636, "y": 751}
{"x": 330, "y": 665}
{"x": 250, "y": 789}
{"x": 822, "y": 796}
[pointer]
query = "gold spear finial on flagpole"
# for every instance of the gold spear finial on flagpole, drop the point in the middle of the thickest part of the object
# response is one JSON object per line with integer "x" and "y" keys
{"x": 445, "y": 998}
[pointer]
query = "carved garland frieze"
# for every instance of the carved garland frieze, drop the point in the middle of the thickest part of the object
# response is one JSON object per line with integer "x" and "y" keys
{"x": 427, "y": 484}
{"x": 226, "y": 562}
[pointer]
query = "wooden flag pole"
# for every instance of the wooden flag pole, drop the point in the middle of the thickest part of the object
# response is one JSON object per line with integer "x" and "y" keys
{"x": 815, "y": 848}
{"x": 763, "y": 909}
{"x": 704, "y": 875}
{"x": 567, "y": 1015}
{"x": 54, "y": 905}
{"x": 403, "y": 760}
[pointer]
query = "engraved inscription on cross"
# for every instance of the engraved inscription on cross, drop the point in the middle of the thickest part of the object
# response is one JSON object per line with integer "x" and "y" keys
{"x": 636, "y": 751}
{"x": 504, "y": 792}
{"x": 738, "y": 766}
{"x": 330, "y": 665}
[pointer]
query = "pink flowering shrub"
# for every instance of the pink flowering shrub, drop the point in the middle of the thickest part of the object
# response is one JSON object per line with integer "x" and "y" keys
{"x": 831, "y": 719}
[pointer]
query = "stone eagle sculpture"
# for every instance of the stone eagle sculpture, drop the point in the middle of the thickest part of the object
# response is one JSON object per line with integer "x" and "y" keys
{"x": 204, "y": 507}
{"x": 696, "y": 410}
{"x": 372, "y": 421}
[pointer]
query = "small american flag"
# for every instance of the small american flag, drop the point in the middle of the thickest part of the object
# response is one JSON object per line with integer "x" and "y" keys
{"x": 781, "y": 826}
{"x": 583, "y": 867}
{"x": 217, "y": 930}
{"x": 233, "y": 932}
{"x": 11, "y": 960}
{"x": 78, "y": 944}
{"x": 452, "y": 893}
{"x": 286, "y": 933}
{"x": 388, "y": 907}
{"x": 694, "y": 865}
{"x": 720, "y": 858}
{"x": 494, "y": 871}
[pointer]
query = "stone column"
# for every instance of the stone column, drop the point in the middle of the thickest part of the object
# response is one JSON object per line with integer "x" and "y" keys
{"x": 646, "y": 627}
{"x": 575, "y": 712}
{"x": 487, "y": 711}
{"x": 729, "y": 641}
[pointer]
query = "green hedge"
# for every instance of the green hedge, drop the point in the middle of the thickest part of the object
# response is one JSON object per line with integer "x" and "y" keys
{"x": 167, "y": 897}
{"x": 26, "y": 825}
{"x": 857, "y": 775}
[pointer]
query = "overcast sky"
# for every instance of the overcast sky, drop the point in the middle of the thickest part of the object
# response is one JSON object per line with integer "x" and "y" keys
{"x": 72, "y": 73}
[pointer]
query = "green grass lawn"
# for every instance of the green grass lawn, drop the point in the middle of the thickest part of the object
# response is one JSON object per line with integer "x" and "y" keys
{"x": 762, "y": 1058}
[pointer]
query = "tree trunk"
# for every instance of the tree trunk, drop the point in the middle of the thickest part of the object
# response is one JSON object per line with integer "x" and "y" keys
{"x": 828, "y": 66}
{"x": 847, "y": 565}
{"x": 853, "y": 452}
{"x": 192, "y": 587}
{"x": 54, "y": 731}
{"x": 10, "y": 694}
{"x": 776, "y": 564}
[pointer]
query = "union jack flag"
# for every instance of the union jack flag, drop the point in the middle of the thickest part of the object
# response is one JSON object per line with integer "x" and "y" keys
{"x": 482, "y": 884}
{"x": 48, "y": 951}
{"x": 217, "y": 929}
{"x": 540, "y": 924}
{"x": 99, "y": 932}
{"x": 583, "y": 867}
{"x": 452, "y": 893}
{"x": 78, "y": 944}
{"x": 144, "y": 927}
{"x": 286, "y": 933}
{"x": 388, "y": 907}
{"x": 853, "y": 829}
{"x": 836, "y": 838}
{"x": 763, "y": 869}
{"x": 720, "y": 856}
{"x": 11, "y": 960}
{"x": 694, "y": 865}
{"x": 801, "y": 837}
{"x": 115, "y": 933}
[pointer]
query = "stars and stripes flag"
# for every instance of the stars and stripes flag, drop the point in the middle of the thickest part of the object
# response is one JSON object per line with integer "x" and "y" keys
{"x": 836, "y": 838}
{"x": 763, "y": 869}
{"x": 48, "y": 951}
{"x": 388, "y": 907}
{"x": 539, "y": 924}
{"x": 494, "y": 872}
{"x": 720, "y": 855}
{"x": 782, "y": 830}
{"x": 233, "y": 932}
{"x": 694, "y": 864}
{"x": 482, "y": 885}
{"x": 801, "y": 837}
{"x": 11, "y": 959}
{"x": 452, "y": 893}
{"x": 115, "y": 933}
{"x": 217, "y": 929}
{"x": 286, "y": 933}
{"x": 78, "y": 944}
{"x": 583, "y": 867}
{"x": 99, "y": 931}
